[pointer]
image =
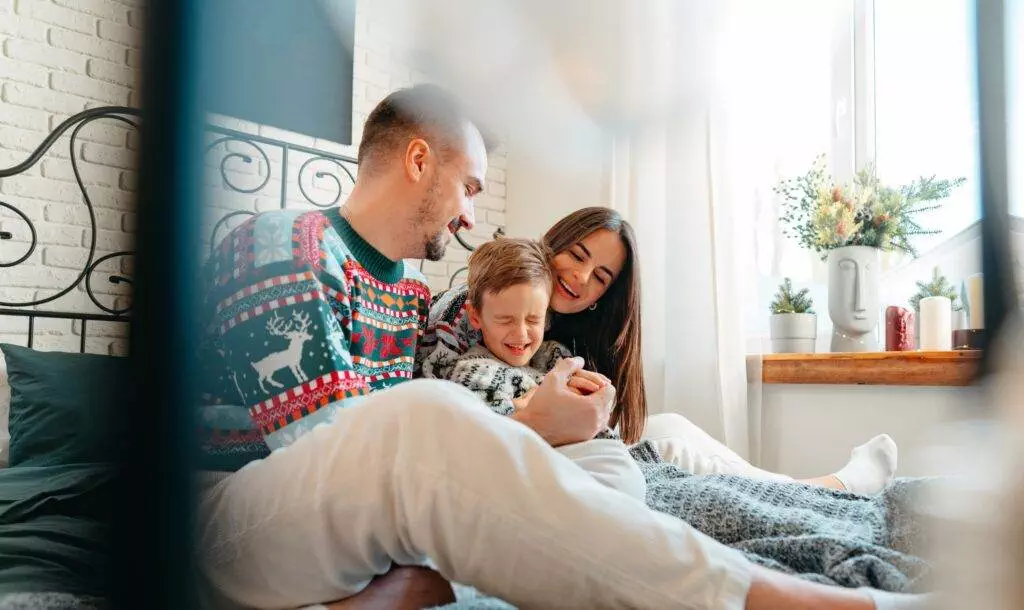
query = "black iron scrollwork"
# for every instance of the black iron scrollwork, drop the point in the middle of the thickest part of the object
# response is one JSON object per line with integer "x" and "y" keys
{"x": 323, "y": 174}
{"x": 4, "y": 235}
{"x": 113, "y": 279}
{"x": 499, "y": 232}
{"x": 244, "y": 158}
{"x": 238, "y": 148}
{"x": 75, "y": 123}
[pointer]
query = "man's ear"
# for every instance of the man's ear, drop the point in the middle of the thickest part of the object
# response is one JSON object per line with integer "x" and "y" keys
{"x": 416, "y": 155}
{"x": 474, "y": 316}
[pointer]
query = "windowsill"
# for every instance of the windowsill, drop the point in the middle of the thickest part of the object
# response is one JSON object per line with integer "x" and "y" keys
{"x": 957, "y": 368}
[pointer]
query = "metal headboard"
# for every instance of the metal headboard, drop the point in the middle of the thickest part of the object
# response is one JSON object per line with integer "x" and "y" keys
{"x": 234, "y": 146}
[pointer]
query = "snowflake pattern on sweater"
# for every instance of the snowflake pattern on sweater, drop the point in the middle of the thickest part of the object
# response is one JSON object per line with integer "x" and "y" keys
{"x": 304, "y": 317}
{"x": 448, "y": 335}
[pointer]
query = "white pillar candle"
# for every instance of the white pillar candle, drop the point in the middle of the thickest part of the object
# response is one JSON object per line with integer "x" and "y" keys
{"x": 975, "y": 301}
{"x": 936, "y": 324}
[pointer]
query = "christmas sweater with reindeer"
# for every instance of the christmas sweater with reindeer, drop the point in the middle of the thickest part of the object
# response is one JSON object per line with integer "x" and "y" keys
{"x": 304, "y": 318}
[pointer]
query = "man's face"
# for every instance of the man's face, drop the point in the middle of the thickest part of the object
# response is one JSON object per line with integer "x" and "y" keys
{"x": 449, "y": 187}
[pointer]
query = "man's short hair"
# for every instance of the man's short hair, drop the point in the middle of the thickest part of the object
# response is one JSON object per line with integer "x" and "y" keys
{"x": 506, "y": 262}
{"x": 421, "y": 111}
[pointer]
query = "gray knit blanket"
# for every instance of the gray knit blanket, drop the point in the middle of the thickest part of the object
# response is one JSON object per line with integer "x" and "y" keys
{"x": 823, "y": 535}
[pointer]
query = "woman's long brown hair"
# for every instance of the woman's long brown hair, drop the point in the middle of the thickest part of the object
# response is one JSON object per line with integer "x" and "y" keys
{"x": 608, "y": 337}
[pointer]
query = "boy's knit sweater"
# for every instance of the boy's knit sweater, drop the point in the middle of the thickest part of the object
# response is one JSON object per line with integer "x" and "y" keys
{"x": 304, "y": 317}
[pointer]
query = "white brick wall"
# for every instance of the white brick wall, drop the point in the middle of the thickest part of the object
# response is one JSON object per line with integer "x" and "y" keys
{"x": 59, "y": 57}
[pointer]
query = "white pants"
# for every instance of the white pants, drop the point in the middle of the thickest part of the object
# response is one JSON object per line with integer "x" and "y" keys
{"x": 608, "y": 461}
{"x": 684, "y": 444}
{"x": 422, "y": 471}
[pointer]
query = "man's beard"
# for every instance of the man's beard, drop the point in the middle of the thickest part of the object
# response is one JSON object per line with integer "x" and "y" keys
{"x": 435, "y": 247}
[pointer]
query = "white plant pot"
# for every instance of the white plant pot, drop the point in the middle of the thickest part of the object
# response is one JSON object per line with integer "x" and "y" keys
{"x": 794, "y": 333}
{"x": 853, "y": 298}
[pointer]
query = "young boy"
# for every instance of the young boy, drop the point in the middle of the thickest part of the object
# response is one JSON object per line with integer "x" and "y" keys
{"x": 510, "y": 285}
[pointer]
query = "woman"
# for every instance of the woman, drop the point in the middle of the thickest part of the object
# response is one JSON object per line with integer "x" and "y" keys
{"x": 595, "y": 312}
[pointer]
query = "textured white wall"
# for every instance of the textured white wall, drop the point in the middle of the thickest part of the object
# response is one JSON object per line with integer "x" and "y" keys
{"x": 808, "y": 430}
{"x": 59, "y": 57}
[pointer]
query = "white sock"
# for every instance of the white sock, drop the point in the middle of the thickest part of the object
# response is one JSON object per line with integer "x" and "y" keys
{"x": 871, "y": 466}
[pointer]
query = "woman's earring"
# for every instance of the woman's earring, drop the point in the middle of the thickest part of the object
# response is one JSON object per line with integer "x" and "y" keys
{"x": 593, "y": 306}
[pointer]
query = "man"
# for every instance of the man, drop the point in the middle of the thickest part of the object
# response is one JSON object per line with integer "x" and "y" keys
{"x": 316, "y": 318}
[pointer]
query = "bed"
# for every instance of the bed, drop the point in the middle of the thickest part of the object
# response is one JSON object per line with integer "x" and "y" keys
{"x": 55, "y": 495}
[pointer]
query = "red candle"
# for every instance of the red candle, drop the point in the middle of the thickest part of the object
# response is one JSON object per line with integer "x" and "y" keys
{"x": 899, "y": 329}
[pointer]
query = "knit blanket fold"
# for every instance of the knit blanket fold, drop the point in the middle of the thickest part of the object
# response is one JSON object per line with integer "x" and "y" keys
{"x": 822, "y": 535}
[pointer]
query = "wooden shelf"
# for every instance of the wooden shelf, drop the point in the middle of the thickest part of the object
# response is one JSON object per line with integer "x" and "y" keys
{"x": 957, "y": 368}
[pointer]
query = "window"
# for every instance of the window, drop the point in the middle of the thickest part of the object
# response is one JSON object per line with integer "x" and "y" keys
{"x": 925, "y": 119}
{"x": 884, "y": 81}
{"x": 1015, "y": 104}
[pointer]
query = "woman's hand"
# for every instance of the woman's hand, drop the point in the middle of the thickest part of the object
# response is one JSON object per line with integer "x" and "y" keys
{"x": 587, "y": 382}
{"x": 594, "y": 377}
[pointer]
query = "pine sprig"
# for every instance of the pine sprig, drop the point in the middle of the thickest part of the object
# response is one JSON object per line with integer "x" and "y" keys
{"x": 788, "y": 302}
{"x": 823, "y": 216}
{"x": 939, "y": 286}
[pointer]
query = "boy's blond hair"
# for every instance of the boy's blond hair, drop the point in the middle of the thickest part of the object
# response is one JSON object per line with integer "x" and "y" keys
{"x": 506, "y": 262}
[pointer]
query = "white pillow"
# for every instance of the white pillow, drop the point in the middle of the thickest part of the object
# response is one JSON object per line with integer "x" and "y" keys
{"x": 5, "y": 412}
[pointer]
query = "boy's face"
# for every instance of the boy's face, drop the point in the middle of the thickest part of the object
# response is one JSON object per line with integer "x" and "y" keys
{"x": 512, "y": 321}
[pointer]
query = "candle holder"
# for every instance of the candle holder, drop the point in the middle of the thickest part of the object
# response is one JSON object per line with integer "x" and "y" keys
{"x": 969, "y": 339}
{"x": 899, "y": 329}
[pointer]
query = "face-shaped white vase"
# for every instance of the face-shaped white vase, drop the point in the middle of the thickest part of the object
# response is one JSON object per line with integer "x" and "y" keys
{"x": 853, "y": 298}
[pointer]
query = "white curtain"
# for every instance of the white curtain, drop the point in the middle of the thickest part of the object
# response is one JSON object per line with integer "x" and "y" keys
{"x": 698, "y": 188}
{"x": 697, "y": 264}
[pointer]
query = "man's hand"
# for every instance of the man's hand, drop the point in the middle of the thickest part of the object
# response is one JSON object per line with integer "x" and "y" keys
{"x": 562, "y": 416}
{"x": 522, "y": 401}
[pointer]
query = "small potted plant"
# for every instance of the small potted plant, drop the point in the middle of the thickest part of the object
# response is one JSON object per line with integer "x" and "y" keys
{"x": 939, "y": 286}
{"x": 794, "y": 326}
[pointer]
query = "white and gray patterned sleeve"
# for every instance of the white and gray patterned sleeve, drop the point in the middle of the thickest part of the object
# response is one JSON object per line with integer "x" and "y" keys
{"x": 495, "y": 382}
{"x": 448, "y": 335}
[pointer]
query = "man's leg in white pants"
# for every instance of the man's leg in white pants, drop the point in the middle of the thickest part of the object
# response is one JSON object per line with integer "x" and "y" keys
{"x": 426, "y": 470}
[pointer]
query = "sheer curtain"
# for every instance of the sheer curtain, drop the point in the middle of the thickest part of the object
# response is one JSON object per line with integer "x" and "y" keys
{"x": 698, "y": 188}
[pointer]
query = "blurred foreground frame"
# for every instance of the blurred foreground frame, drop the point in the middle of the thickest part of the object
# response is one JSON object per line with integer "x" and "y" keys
{"x": 996, "y": 254}
{"x": 154, "y": 513}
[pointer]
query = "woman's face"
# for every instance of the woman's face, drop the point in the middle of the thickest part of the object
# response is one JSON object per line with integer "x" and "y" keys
{"x": 585, "y": 270}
